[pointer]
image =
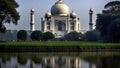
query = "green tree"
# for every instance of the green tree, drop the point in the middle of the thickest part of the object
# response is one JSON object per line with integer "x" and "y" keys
{"x": 106, "y": 18}
{"x": 8, "y": 13}
{"x": 22, "y": 35}
{"x": 48, "y": 36}
{"x": 92, "y": 36}
{"x": 113, "y": 6}
{"x": 73, "y": 36}
{"x": 114, "y": 30}
{"x": 36, "y": 35}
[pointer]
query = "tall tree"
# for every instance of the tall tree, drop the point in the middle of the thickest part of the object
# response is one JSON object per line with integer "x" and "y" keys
{"x": 110, "y": 13}
{"x": 113, "y": 6}
{"x": 73, "y": 36}
{"x": 92, "y": 36}
{"x": 36, "y": 35}
{"x": 114, "y": 30}
{"x": 47, "y": 36}
{"x": 22, "y": 35}
{"x": 8, "y": 13}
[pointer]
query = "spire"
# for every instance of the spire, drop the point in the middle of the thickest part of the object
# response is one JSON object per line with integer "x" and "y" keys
{"x": 32, "y": 20}
{"x": 90, "y": 19}
{"x": 72, "y": 11}
{"x": 60, "y": 0}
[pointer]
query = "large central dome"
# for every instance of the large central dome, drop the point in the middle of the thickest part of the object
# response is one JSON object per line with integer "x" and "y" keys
{"x": 60, "y": 8}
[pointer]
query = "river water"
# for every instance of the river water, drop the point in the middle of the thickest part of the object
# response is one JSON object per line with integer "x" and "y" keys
{"x": 60, "y": 60}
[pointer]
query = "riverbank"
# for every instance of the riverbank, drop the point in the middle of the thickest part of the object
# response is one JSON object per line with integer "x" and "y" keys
{"x": 59, "y": 43}
{"x": 59, "y": 47}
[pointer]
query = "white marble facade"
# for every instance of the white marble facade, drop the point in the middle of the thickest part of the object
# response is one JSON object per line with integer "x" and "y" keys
{"x": 60, "y": 21}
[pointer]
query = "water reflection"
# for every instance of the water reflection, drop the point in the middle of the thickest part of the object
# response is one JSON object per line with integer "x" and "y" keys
{"x": 85, "y": 60}
{"x": 61, "y": 62}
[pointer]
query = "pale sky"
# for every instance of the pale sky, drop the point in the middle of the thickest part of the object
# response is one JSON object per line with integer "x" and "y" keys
{"x": 81, "y": 7}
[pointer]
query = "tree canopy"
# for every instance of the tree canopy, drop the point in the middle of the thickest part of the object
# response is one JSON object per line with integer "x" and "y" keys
{"x": 36, "y": 35}
{"x": 8, "y": 13}
{"x": 73, "y": 36}
{"x": 48, "y": 36}
{"x": 108, "y": 20}
{"x": 114, "y": 30}
{"x": 113, "y": 6}
{"x": 92, "y": 36}
{"x": 22, "y": 35}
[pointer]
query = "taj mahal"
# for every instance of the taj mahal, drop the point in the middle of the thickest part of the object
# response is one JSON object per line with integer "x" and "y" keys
{"x": 59, "y": 21}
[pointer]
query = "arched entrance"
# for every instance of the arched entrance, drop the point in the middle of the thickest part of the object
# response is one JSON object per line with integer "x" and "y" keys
{"x": 60, "y": 26}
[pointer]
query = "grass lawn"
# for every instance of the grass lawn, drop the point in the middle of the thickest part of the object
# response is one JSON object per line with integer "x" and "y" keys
{"x": 53, "y": 43}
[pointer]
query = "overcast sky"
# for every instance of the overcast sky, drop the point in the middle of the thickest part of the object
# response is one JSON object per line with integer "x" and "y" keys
{"x": 81, "y": 7}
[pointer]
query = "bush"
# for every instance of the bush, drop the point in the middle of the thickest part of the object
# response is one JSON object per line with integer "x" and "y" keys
{"x": 92, "y": 36}
{"x": 36, "y": 35}
{"x": 73, "y": 36}
{"x": 47, "y": 36}
{"x": 22, "y": 35}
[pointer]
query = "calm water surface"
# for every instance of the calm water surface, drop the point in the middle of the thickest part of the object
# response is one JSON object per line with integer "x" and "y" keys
{"x": 60, "y": 60}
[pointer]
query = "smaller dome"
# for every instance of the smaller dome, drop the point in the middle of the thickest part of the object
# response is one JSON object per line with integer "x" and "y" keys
{"x": 91, "y": 10}
{"x": 72, "y": 14}
{"x": 48, "y": 15}
{"x": 32, "y": 10}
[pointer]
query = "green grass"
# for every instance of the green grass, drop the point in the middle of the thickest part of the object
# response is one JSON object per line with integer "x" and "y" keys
{"x": 52, "y": 43}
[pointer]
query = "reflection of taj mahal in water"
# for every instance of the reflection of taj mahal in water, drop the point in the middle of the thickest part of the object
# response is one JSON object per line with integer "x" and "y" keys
{"x": 65, "y": 62}
{"x": 61, "y": 62}
{"x": 59, "y": 21}
{"x": 47, "y": 62}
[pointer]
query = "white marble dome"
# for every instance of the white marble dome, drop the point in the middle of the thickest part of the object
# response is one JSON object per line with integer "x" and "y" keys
{"x": 32, "y": 10}
{"x": 60, "y": 8}
{"x": 48, "y": 15}
{"x": 73, "y": 14}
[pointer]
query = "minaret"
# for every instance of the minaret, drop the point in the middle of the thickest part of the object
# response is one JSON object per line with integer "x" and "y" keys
{"x": 32, "y": 20}
{"x": 90, "y": 19}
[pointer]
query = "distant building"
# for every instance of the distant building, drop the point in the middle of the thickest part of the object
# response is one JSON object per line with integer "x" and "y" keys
{"x": 60, "y": 21}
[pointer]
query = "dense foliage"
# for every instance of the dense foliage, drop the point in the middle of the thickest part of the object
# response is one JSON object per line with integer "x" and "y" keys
{"x": 106, "y": 21}
{"x": 65, "y": 44}
{"x": 8, "y": 13}
{"x": 73, "y": 36}
{"x": 92, "y": 36}
{"x": 113, "y": 6}
{"x": 47, "y": 36}
{"x": 114, "y": 30}
{"x": 22, "y": 35}
{"x": 36, "y": 35}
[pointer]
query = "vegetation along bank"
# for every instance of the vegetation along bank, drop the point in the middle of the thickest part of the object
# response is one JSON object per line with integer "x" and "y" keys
{"x": 58, "y": 47}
